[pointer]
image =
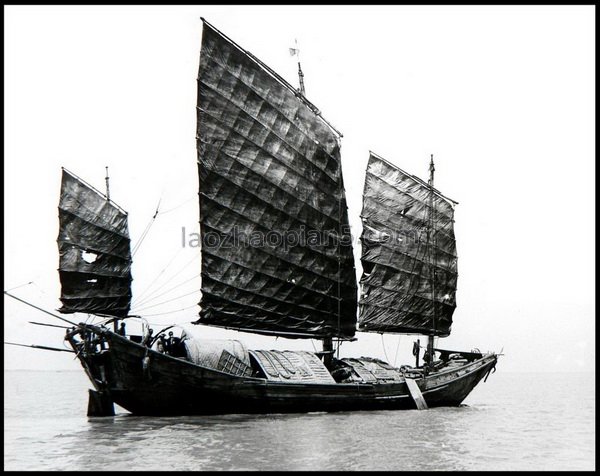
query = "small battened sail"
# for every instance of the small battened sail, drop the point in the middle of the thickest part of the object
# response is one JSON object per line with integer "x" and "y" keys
{"x": 276, "y": 247}
{"x": 405, "y": 271}
{"x": 94, "y": 248}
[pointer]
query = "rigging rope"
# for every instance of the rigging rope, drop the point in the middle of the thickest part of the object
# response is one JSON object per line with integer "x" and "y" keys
{"x": 151, "y": 298}
{"x": 384, "y": 351}
{"x": 147, "y": 229}
{"x": 40, "y": 289}
{"x": 170, "y": 312}
{"x": 397, "y": 348}
{"x": 39, "y": 308}
{"x": 170, "y": 325}
{"x": 20, "y": 286}
{"x": 42, "y": 295}
{"x": 168, "y": 300}
{"x": 142, "y": 236}
{"x": 178, "y": 206}
{"x": 139, "y": 301}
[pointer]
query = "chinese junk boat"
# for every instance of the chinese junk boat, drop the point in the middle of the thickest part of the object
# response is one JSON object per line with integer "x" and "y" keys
{"x": 269, "y": 164}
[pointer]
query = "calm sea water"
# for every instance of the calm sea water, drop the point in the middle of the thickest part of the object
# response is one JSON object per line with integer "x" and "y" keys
{"x": 513, "y": 421}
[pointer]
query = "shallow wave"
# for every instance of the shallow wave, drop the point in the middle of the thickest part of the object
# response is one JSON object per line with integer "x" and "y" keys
{"x": 512, "y": 422}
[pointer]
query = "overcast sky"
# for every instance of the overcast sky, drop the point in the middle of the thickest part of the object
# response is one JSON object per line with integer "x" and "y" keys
{"x": 502, "y": 96}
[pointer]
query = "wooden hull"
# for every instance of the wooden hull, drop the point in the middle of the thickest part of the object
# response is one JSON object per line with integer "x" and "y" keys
{"x": 146, "y": 382}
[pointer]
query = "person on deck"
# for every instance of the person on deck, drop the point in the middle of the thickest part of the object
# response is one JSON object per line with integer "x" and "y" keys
{"x": 426, "y": 358}
{"x": 148, "y": 338}
{"x": 121, "y": 330}
{"x": 416, "y": 350}
{"x": 162, "y": 345}
{"x": 177, "y": 349}
{"x": 169, "y": 343}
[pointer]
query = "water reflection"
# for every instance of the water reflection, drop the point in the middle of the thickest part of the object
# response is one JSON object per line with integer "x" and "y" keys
{"x": 498, "y": 430}
{"x": 382, "y": 440}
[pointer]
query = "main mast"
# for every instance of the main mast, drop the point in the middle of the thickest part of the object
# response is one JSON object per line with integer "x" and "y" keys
{"x": 327, "y": 341}
{"x": 296, "y": 52}
{"x": 430, "y": 248}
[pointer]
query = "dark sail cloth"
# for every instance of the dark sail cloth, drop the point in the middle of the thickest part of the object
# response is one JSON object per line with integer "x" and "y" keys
{"x": 401, "y": 260}
{"x": 276, "y": 247}
{"x": 94, "y": 249}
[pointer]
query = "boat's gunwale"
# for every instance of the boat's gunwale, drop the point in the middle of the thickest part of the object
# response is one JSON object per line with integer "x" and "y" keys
{"x": 479, "y": 363}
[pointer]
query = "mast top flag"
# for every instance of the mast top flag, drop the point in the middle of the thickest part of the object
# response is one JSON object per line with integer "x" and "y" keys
{"x": 296, "y": 52}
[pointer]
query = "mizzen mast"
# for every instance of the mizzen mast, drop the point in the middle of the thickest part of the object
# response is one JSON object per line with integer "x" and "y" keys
{"x": 431, "y": 250}
{"x": 107, "y": 185}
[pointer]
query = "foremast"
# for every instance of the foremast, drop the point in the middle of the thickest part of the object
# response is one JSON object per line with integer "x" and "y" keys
{"x": 107, "y": 181}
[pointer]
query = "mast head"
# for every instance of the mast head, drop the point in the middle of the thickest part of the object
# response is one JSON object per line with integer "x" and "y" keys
{"x": 431, "y": 171}
{"x": 107, "y": 186}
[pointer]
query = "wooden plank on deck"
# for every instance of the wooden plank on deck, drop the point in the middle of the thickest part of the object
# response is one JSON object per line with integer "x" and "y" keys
{"x": 415, "y": 393}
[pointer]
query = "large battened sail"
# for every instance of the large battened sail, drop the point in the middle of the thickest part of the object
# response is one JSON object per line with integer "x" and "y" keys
{"x": 405, "y": 269}
{"x": 94, "y": 248}
{"x": 276, "y": 247}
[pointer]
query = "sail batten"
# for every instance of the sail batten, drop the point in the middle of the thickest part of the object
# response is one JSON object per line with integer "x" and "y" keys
{"x": 258, "y": 226}
{"x": 389, "y": 192}
{"x": 276, "y": 247}
{"x": 260, "y": 89}
{"x": 237, "y": 180}
{"x": 414, "y": 213}
{"x": 410, "y": 273}
{"x": 94, "y": 251}
{"x": 277, "y": 284}
{"x": 387, "y": 298}
{"x": 276, "y": 312}
{"x": 246, "y": 251}
{"x": 245, "y": 108}
{"x": 267, "y": 297}
{"x": 416, "y": 179}
{"x": 394, "y": 259}
{"x": 275, "y": 76}
{"x": 316, "y": 170}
